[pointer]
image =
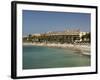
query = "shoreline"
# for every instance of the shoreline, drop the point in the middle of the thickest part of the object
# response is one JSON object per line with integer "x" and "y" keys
{"x": 84, "y": 49}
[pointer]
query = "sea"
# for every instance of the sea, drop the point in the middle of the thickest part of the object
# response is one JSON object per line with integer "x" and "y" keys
{"x": 37, "y": 57}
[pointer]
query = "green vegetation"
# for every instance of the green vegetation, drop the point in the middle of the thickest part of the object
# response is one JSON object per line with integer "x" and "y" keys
{"x": 86, "y": 37}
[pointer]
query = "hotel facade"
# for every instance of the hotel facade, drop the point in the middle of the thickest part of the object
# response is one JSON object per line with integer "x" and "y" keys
{"x": 66, "y": 36}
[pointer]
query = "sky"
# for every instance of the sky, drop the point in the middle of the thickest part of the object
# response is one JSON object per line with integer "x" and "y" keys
{"x": 45, "y": 21}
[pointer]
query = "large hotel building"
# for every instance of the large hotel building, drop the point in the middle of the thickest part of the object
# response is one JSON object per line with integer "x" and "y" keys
{"x": 66, "y": 36}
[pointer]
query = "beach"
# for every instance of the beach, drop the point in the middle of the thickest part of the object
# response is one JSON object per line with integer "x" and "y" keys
{"x": 83, "y": 49}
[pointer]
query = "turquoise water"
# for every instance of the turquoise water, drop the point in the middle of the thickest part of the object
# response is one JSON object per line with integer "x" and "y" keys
{"x": 35, "y": 57}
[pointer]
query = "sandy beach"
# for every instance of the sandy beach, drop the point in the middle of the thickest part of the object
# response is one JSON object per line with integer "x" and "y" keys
{"x": 84, "y": 49}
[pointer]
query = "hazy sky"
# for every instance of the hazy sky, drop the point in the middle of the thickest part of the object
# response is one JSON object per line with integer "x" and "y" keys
{"x": 44, "y": 21}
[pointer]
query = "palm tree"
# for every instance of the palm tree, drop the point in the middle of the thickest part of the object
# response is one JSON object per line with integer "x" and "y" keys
{"x": 30, "y": 38}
